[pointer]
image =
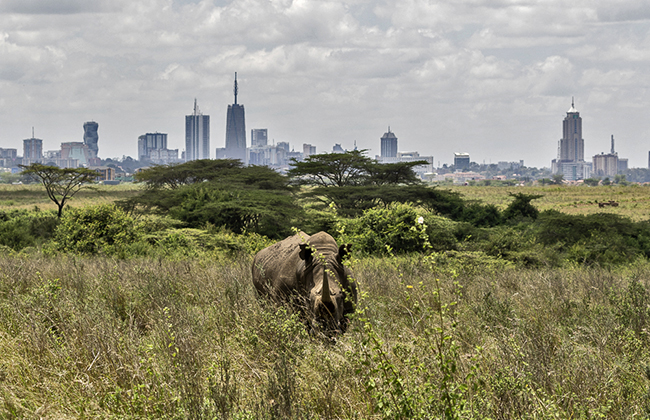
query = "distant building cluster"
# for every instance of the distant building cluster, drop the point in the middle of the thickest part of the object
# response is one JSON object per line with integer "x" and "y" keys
{"x": 153, "y": 150}
{"x": 571, "y": 150}
{"x": 390, "y": 154}
{"x": 72, "y": 154}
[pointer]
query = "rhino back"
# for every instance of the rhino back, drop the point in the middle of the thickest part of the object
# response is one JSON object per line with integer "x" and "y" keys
{"x": 274, "y": 267}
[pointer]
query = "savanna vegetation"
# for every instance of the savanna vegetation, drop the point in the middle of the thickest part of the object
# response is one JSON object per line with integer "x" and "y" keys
{"x": 138, "y": 303}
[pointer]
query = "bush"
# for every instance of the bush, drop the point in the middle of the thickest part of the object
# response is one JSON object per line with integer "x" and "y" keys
{"x": 395, "y": 229}
{"x": 20, "y": 228}
{"x": 600, "y": 238}
{"x": 103, "y": 229}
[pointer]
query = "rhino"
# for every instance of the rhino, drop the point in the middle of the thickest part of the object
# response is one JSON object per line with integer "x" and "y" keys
{"x": 308, "y": 271}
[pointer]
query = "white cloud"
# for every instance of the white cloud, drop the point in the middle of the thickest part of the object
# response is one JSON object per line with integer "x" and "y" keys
{"x": 445, "y": 74}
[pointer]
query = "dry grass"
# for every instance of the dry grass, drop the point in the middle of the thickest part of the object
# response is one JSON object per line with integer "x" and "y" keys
{"x": 150, "y": 338}
{"x": 634, "y": 200}
{"x": 27, "y": 196}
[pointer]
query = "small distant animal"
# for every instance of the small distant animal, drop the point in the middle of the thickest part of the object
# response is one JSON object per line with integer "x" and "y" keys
{"x": 308, "y": 271}
{"x": 609, "y": 203}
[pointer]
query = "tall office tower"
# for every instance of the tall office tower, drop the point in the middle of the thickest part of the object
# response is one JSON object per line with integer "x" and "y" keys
{"x": 151, "y": 141}
{"x": 32, "y": 150}
{"x": 91, "y": 138}
{"x": 572, "y": 145}
{"x": 236, "y": 129}
{"x": 571, "y": 151}
{"x": 388, "y": 144}
{"x": 197, "y": 135}
{"x": 259, "y": 137}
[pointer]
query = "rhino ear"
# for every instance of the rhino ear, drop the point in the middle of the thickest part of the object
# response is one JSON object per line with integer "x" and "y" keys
{"x": 344, "y": 250}
{"x": 305, "y": 253}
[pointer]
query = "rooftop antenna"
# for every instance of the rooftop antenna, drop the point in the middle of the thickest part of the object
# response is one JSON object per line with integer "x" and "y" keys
{"x": 572, "y": 106}
{"x": 613, "y": 144}
{"x": 236, "y": 90}
{"x": 195, "y": 107}
{"x": 33, "y": 133}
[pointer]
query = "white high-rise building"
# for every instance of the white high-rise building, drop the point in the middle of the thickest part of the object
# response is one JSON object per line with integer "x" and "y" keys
{"x": 197, "y": 135}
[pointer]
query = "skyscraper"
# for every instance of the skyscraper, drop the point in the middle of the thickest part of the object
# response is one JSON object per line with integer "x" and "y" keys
{"x": 236, "y": 129}
{"x": 197, "y": 135}
{"x": 259, "y": 137}
{"x": 571, "y": 151}
{"x": 151, "y": 141}
{"x": 91, "y": 138}
{"x": 572, "y": 145}
{"x": 32, "y": 150}
{"x": 388, "y": 144}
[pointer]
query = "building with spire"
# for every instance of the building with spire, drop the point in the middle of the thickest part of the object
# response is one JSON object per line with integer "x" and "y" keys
{"x": 388, "y": 144}
{"x": 609, "y": 164}
{"x": 390, "y": 154}
{"x": 571, "y": 149}
{"x": 235, "y": 131}
{"x": 197, "y": 135}
{"x": 32, "y": 150}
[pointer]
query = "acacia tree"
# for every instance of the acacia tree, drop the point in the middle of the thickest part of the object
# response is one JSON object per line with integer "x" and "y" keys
{"x": 332, "y": 169}
{"x": 354, "y": 182}
{"x": 61, "y": 184}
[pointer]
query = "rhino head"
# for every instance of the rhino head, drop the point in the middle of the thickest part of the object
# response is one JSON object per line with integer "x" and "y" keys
{"x": 329, "y": 290}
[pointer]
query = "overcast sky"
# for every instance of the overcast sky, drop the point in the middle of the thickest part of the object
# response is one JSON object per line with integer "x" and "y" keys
{"x": 493, "y": 78}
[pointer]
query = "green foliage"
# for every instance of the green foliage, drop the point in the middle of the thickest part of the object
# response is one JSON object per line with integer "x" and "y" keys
{"x": 20, "y": 229}
{"x": 480, "y": 215}
{"x": 521, "y": 207}
{"x": 601, "y": 238}
{"x": 558, "y": 179}
{"x": 192, "y": 172}
{"x": 592, "y": 182}
{"x": 332, "y": 169}
{"x": 220, "y": 193}
{"x": 395, "y": 229}
{"x": 103, "y": 229}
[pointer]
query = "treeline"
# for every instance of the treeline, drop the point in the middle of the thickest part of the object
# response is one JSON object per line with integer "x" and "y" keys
{"x": 223, "y": 206}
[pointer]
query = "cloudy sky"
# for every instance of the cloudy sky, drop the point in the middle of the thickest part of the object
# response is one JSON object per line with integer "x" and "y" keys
{"x": 493, "y": 78}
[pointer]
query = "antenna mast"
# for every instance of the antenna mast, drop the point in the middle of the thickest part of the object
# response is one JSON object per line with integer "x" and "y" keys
{"x": 236, "y": 90}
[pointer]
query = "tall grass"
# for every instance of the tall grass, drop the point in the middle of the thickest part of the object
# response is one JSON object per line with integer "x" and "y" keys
{"x": 152, "y": 338}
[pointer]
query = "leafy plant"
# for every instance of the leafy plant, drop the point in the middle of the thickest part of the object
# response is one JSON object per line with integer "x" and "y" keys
{"x": 92, "y": 230}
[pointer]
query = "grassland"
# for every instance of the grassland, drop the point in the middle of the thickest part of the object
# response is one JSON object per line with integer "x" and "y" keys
{"x": 100, "y": 338}
{"x": 28, "y": 196}
{"x": 634, "y": 200}
{"x": 454, "y": 335}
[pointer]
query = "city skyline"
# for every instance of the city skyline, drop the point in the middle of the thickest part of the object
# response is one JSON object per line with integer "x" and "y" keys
{"x": 484, "y": 77}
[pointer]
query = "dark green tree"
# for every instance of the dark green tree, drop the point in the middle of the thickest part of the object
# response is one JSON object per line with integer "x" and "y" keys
{"x": 220, "y": 193}
{"x": 521, "y": 207}
{"x": 332, "y": 169}
{"x": 174, "y": 176}
{"x": 353, "y": 182}
{"x": 61, "y": 184}
{"x": 558, "y": 179}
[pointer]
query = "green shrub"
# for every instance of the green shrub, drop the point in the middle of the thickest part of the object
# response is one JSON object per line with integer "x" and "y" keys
{"x": 481, "y": 215}
{"x": 103, "y": 229}
{"x": 20, "y": 228}
{"x": 600, "y": 238}
{"x": 394, "y": 229}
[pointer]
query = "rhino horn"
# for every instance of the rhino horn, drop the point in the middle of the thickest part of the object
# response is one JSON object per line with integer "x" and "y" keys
{"x": 325, "y": 297}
